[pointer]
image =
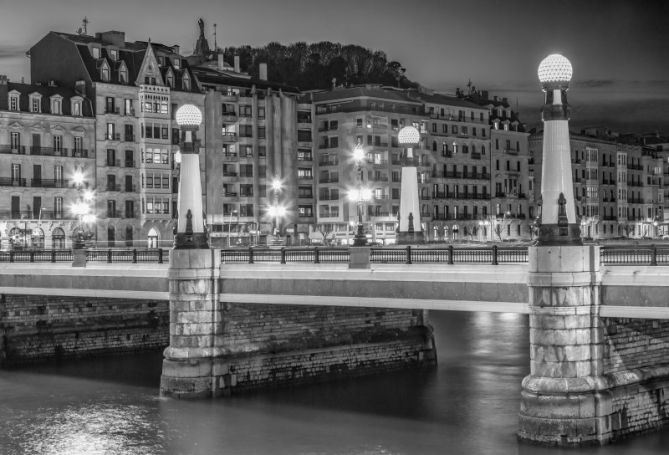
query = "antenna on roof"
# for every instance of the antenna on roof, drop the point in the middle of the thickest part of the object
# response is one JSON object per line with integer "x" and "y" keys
{"x": 83, "y": 30}
{"x": 215, "y": 45}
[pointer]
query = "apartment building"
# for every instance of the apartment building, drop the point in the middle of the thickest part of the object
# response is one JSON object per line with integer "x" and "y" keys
{"x": 133, "y": 89}
{"x": 47, "y": 134}
{"x": 618, "y": 184}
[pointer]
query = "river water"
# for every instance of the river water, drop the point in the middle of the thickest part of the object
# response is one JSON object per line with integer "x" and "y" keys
{"x": 466, "y": 405}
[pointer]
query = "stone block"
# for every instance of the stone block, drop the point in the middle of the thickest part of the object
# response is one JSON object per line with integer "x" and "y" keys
{"x": 359, "y": 258}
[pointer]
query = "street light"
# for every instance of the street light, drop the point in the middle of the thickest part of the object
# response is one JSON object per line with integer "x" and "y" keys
{"x": 276, "y": 211}
{"x": 83, "y": 210}
{"x": 190, "y": 221}
{"x": 360, "y": 195}
{"x": 233, "y": 213}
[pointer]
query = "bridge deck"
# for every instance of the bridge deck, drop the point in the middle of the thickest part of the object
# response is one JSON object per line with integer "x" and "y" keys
{"x": 628, "y": 291}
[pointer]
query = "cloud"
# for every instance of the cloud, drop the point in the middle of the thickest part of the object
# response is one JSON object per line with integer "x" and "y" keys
{"x": 12, "y": 52}
{"x": 595, "y": 83}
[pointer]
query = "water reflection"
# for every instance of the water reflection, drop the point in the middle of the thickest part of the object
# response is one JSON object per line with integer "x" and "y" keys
{"x": 467, "y": 405}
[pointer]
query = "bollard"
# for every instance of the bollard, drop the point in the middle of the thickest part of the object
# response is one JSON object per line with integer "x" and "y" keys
{"x": 317, "y": 259}
{"x": 494, "y": 255}
{"x": 450, "y": 254}
{"x": 408, "y": 254}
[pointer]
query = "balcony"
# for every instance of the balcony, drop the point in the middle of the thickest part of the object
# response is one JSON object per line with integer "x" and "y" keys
{"x": 113, "y": 163}
{"x": 32, "y": 215}
{"x": 112, "y": 137}
{"x": 130, "y": 188}
{"x": 229, "y": 116}
{"x": 229, "y": 174}
{"x": 113, "y": 187}
{"x": 229, "y": 137}
{"x": 129, "y": 138}
{"x": 47, "y": 151}
{"x": 476, "y": 156}
{"x": 112, "y": 110}
{"x": 230, "y": 156}
{"x": 13, "y": 149}
{"x": 328, "y": 162}
{"x": 230, "y": 194}
{"x": 49, "y": 183}
{"x": 9, "y": 181}
{"x": 129, "y": 163}
{"x": 379, "y": 178}
{"x": 511, "y": 151}
{"x": 331, "y": 179}
{"x": 114, "y": 214}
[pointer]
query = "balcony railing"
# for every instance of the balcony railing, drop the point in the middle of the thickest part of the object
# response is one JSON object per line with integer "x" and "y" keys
{"x": 49, "y": 183}
{"x": 13, "y": 149}
{"x": 9, "y": 181}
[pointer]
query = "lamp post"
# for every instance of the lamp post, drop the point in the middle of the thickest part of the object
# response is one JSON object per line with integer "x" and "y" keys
{"x": 274, "y": 209}
{"x": 360, "y": 195}
{"x": 191, "y": 231}
{"x": 233, "y": 213}
{"x": 410, "y": 229}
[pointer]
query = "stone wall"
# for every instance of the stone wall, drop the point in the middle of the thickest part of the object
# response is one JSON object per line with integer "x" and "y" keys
{"x": 41, "y": 327}
{"x": 636, "y": 366}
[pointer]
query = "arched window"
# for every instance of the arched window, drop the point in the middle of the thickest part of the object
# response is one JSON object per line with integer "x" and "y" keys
{"x": 434, "y": 146}
{"x": 58, "y": 239}
{"x": 153, "y": 238}
{"x": 37, "y": 238}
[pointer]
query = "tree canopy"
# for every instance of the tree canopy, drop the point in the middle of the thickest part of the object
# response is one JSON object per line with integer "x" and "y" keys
{"x": 319, "y": 65}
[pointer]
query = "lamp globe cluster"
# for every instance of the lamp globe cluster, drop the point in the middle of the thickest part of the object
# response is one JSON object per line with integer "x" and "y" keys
{"x": 408, "y": 135}
{"x": 555, "y": 70}
{"x": 188, "y": 115}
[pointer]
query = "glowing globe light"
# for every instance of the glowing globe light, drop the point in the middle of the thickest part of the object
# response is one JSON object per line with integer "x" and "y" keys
{"x": 408, "y": 136}
{"x": 188, "y": 115}
{"x": 555, "y": 69}
{"x": 358, "y": 153}
{"x": 276, "y": 185}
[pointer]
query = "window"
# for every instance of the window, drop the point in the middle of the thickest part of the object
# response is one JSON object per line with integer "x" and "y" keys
{"x": 186, "y": 82}
{"x": 14, "y": 103}
{"x": 35, "y": 102}
{"x": 305, "y": 192}
{"x": 76, "y": 108}
{"x": 104, "y": 73}
{"x": 78, "y": 144}
{"x": 123, "y": 75}
{"x": 96, "y": 52}
{"x": 246, "y": 130}
{"x": 245, "y": 110}
{"x": 113, "y": 54}
{"x": 305, "y": 211}
{"x": 304, "y": 173}
{"x": 15, "y": 140}
{"x": 304, "y": 155}
{"x": 177, "y": 63}
{"x": 111, "y": 209}
{"x": 56, "y": 105}
{"x": 261, "y": 132}
{"x": 57, "y": 144}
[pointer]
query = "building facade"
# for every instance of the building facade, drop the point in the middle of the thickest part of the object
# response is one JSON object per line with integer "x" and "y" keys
{"x": 47, "y": 135}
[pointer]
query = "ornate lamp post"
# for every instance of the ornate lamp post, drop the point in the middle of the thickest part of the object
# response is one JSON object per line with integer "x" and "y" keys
{"x": 275, "y": 210}
{"x": 558, "y": 212}
{"x": 410, "y": 229}
{"x": 359, "y": 195}
{"x": 191, "y": 231}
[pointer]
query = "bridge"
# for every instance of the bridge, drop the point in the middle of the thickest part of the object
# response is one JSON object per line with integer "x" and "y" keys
{"x": 254, "y": 318}
{"x": 634, "y": 281}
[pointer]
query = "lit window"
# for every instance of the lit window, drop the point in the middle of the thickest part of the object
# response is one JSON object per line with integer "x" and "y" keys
{"x": 170, "y": 80}
{"x": 96, "y": 52}
{"x": 105, "y": 73}
{"x": 35, "y": 104}
{"x": 56, "y": 106}
{"x": 113, "y": 54}
{"x": 186, "y": 82}
{"x": 177, "y": 63}
{"x": 76, "y": 108}
{"x": 123, "y": 76}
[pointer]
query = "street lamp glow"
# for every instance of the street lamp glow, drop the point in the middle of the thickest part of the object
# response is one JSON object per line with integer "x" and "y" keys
{"x": 89, "y": 218}
{"x": 276, "y": 185}
{"x": 277, "y": 210}
{"x": 88, "y": 195}
{"x": 408, "y": 135}
{"x": 362, "y": 194}
{"x": 188, "y": 115}
{"x": 78, "y": 177}
{"x": 358, "y": 153}
{"x": 555, "y": 69}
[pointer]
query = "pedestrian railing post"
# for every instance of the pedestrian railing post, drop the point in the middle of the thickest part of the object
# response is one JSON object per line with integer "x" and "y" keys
{"x": 317, "y": 259}
{"x": 283, "y": 255}
{"x": 160, "y": 255}
{"x": 53, "y": 255}
{"x": 109, "y": 255}
{"x": 250, "y": 255}
{"x": 134, "y": 256}
{"x": 450, "y": 254}
{"x": 409, "y": 254}
{"x": 494, "y": 255}
{"x": 653, "y": 255}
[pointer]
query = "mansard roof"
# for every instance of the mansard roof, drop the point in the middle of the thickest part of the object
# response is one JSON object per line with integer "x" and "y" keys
{"x": 47, "y": 91}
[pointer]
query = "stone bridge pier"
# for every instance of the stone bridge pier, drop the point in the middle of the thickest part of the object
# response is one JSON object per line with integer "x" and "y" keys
{"x": 219, "y": 348}
{"x": 592, "y": 379}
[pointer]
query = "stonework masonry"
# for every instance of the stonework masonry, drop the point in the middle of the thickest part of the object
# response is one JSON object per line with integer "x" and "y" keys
{"x": 44, "y": 327}
{"x": 592, "y": 380}
{"x": 219, "y": 348}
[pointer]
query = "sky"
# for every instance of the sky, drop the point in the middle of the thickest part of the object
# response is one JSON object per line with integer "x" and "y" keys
{"x": 619, "y": 48}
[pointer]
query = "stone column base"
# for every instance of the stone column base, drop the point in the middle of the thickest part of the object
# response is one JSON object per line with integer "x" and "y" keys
{"x": 79, "y": 257}
{"x": 190, "y": 378}
{"x": 359, "y": 257}
{"x": 564, "y": 412}
{"x": 409, "y": 238}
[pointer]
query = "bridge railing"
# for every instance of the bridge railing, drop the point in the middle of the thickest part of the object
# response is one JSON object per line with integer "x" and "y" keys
{"x": 286, "y": 255}
{"x": 94, "y": 255}
{"x": 635, "y": 255}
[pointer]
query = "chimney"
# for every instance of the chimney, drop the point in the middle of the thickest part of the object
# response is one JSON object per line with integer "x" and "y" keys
{"x": 112, "y": 37}
{"x": 262, "y": 72}
{"x": 176, "y": 48}
{"x": 484, "y": 94}
{"x": 505, "y": 100}
{"x": 80, "y": 87}
{"x": 237, "y": 70}
{"x": 4, "y": 92}
{"x": 494, "y": 98}
{"x": 220, "y": 60}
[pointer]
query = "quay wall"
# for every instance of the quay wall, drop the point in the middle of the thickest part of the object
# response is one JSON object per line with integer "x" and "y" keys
{"x": 37, "y": 327}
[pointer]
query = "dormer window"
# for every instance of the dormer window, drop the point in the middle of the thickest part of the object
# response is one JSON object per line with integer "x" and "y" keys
{"x": 186, "y": 82}
{"x": 169, "y": 78}
{"x": 123, "y": 74}
{"x": 14, "y": 102}
{"x": 177, "y": 63}
{"x": 113, "y": 54}
{"x": 96, "y": 52}
{"x": 57, "y": 105}
{"x": 75, "y": 106}
{"x": 161, "y": 60}
{"x": 35, "y": 102}
{"x": 104, "y": 72}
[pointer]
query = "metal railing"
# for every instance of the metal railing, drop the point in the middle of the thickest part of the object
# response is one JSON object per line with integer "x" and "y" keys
{"x": 610, "y": 255}
{"x": 109, "y": 255}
